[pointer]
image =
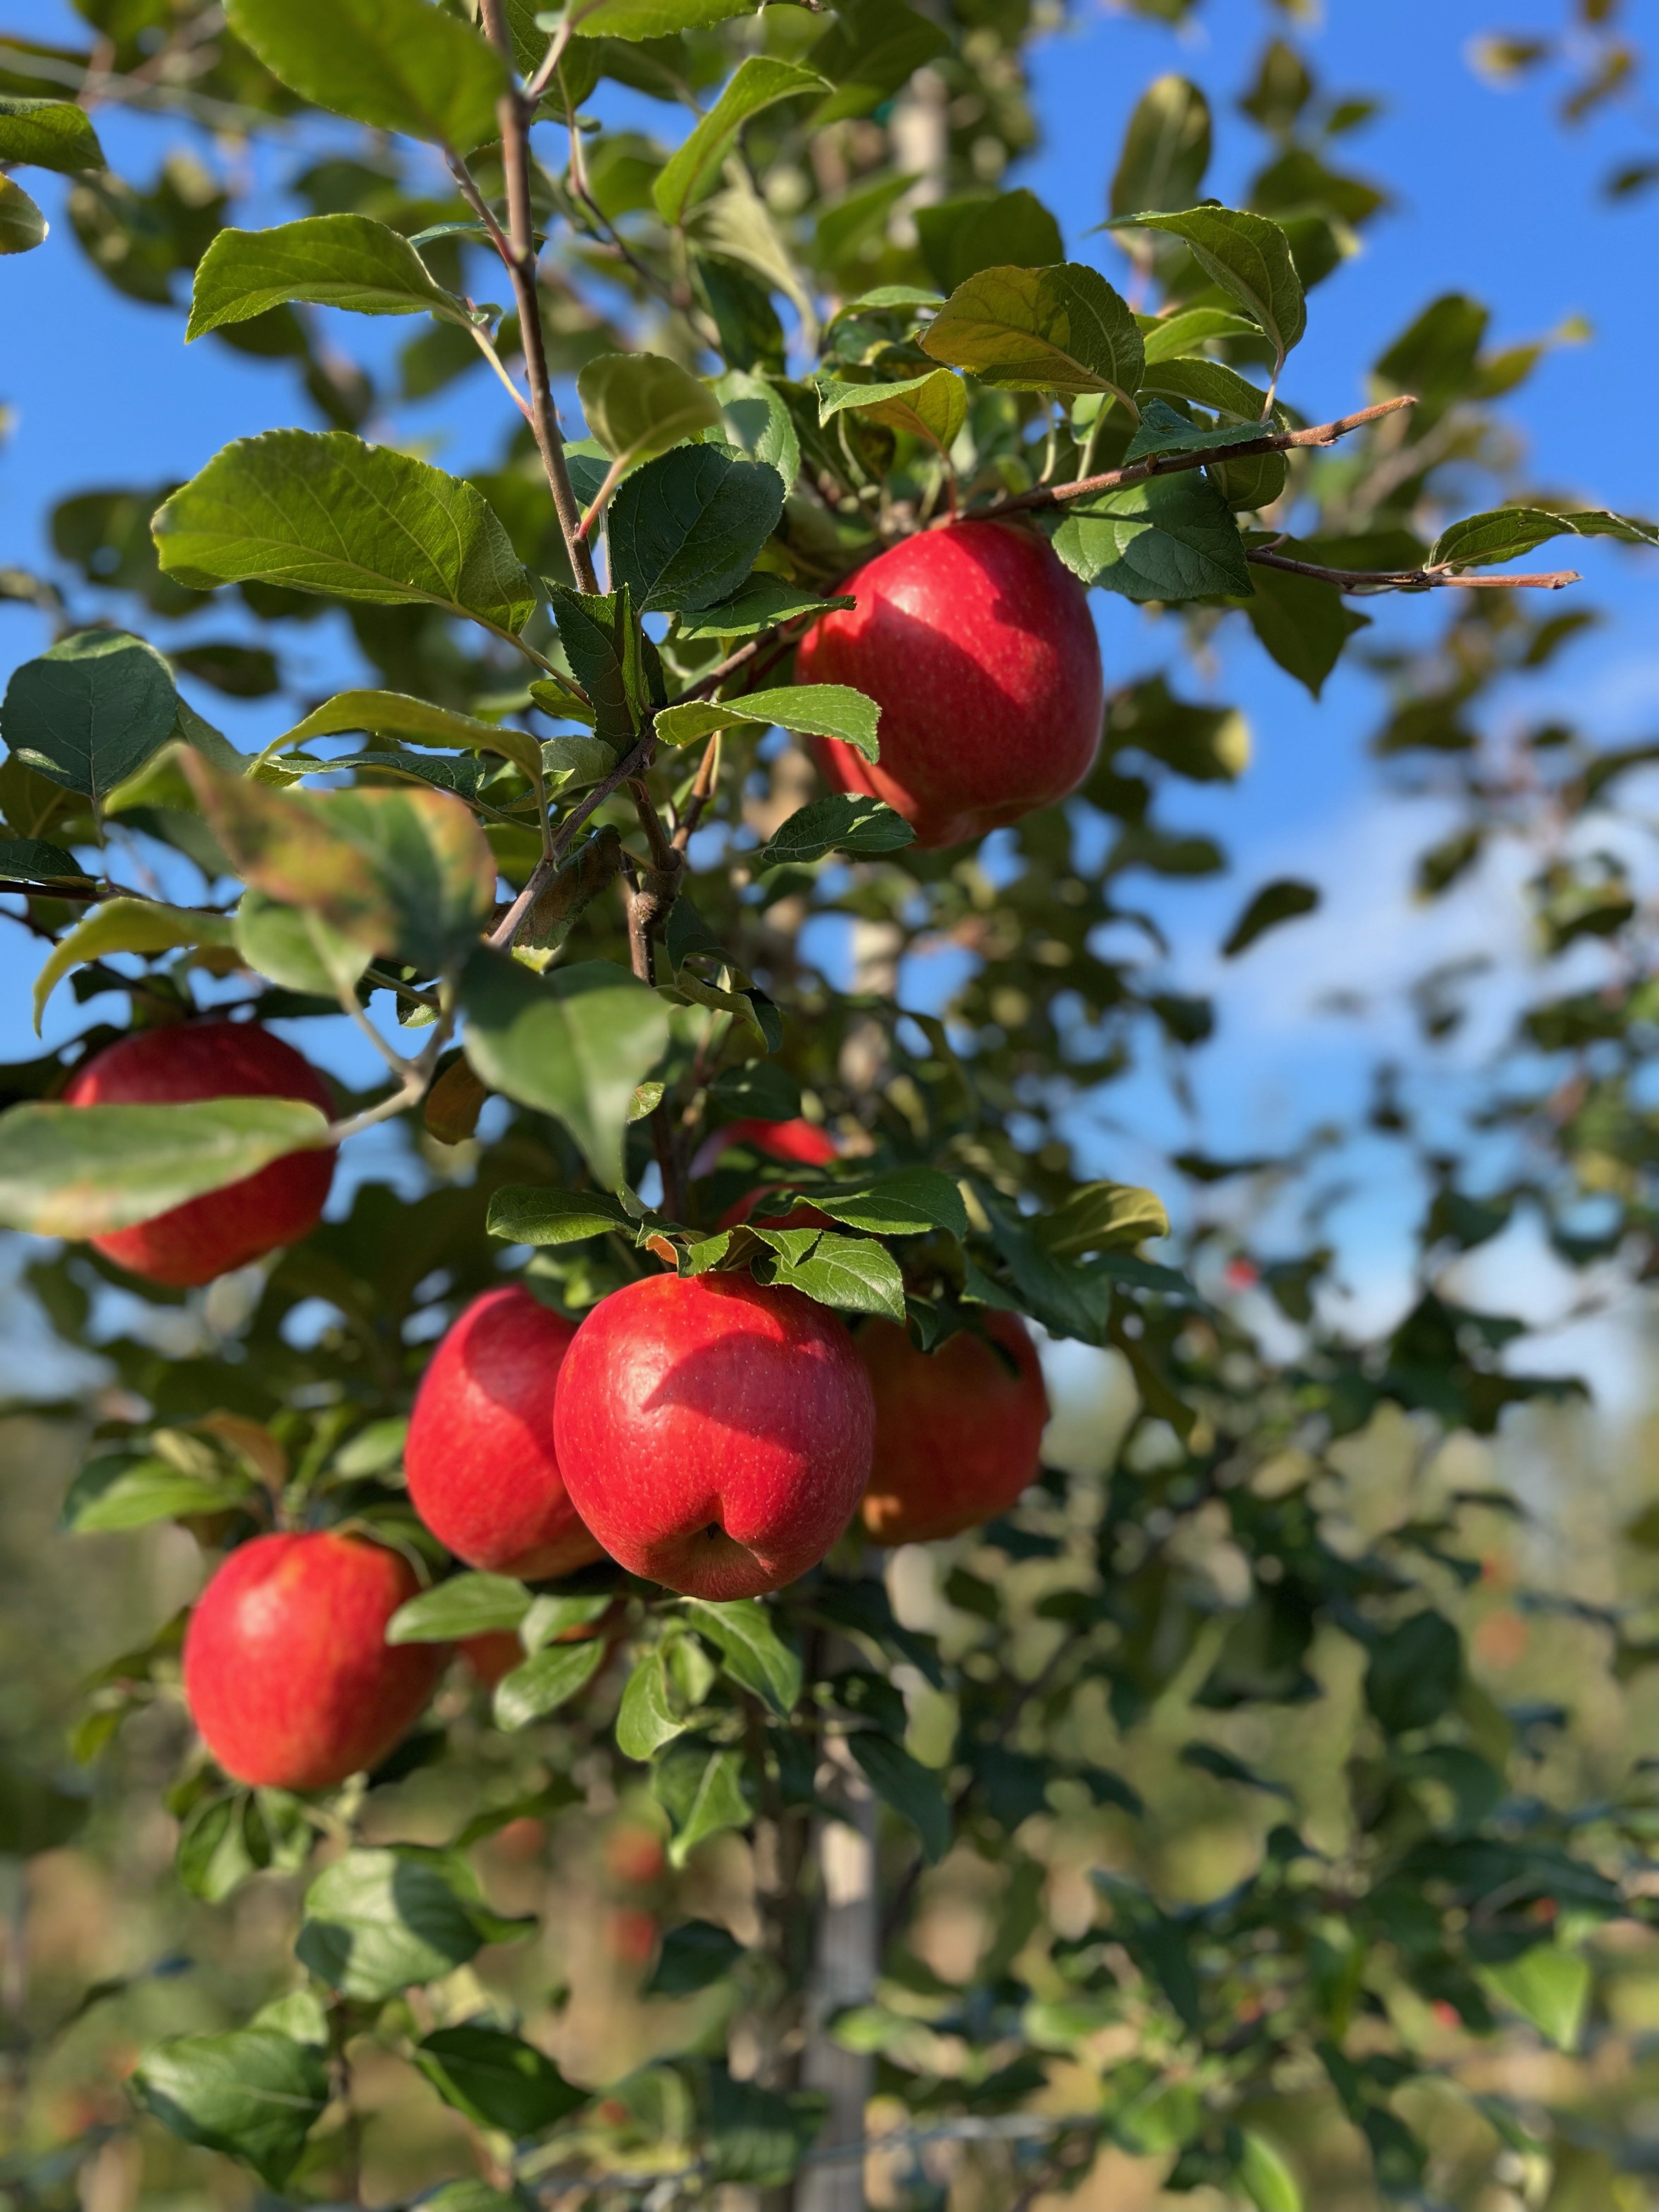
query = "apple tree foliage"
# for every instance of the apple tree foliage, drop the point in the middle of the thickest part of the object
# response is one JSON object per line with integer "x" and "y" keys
{"x": 558, "y": 838}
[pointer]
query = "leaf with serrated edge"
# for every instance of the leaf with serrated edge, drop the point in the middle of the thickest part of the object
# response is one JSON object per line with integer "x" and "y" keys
{"x": 1247, "y": 255}
{"x": 1100, "y": 1216}
{"x": 394, "y": 65}
{"x": 22, "y": 226}
{"x": 1062, "y": 329}
{"x": 1172, "y": 537}
{"x": 90, "y": 711}
{"x": 933, "y": 407}
{"x": 851, "y": 1273}
{"x": 844, "y": 822}
{"x": 48, "y": 134}
{"x": 639, "y": 404}
{"x": 526, "y": 1214}
{"x": 254, "y": 2094}
{"x": 321, "y": 511}
{"x": 684, "y": 530}
{"x": 646, "y": 1719}
{"x": 467, "y": 1605}
{"x": 759, "y": 81}
{"x": 126, "y": 925}
{"x": 395, "y": 714}
{"x": 545, "y": 1680}
{"x": 909, "y": 1202}
{"x": 573, "y": 1044}
{"x": 81, "y": 1171}
{"x": 347, "y": 261}
{"x": 762, "y": 602}
{"x": 817, "y": 710}
{"x": 755, "y": 1654}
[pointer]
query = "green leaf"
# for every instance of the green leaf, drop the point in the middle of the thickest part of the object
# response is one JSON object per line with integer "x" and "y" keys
{"x": 254, "y": 2094}
{"x": 757, "y": 420}
{"x": 1060, "y": 330}
{"x": 1282, "y": 900}
{"x": 1507, "y": 533}
{"x": 120, "y": 1493}
{"x": 395, "y": 714}
{"x": 1169, "y": 539}
{"x": 1414, "y": 1672}
{"x": 1183, "y": 335}
{"x": 532, "y": 1213}
{"x": 90, "y": 711}
{"x": 296, "y": 949}
{"x": 403, "y": 872}
{"x": 758, "y": 82}
{"x": 497, "y": 2078}
{"x": 700, "y": 1790}
{"x": 546, "y": 1680}
{"x": 694, "y": 1956}
{"x": 1265, "y": 2177}
{"x": 933, "y": 407}
{"x": 607, "y": 651}
{"x": 820, "y": 710}
{"x": 647, "y": 19}
{"x": 320, "y": 511}
{"x": 1166, "y": 148}
{"x": 755, "y": 1654}
{"x": 1248, "y": 256}
{"x": 1546, "y": 1985}
{"x": 1101, "y": 1217}
{"x": 871, "y": 50}
{"x": 960, "y": 237}
{"x": 48, "y": 134}
{"x": 640, "y": 404}
{"x": 913, "y": 1791}
{"x": 684, "y": 530}
{"x": 466, "y": 1605}
{"x": 1302, "y": 623}
{"x": 763, "y": 603}
{"x": 327, "y": 260}
{"x": 646, "y": 1719}
{"x": 80, "y": 1172}
{"x": 909, "y": 1202}
{"x": 33, "y": 860}
{"x": 573, "y": 1043}
{"x": 395, "y": 64}
{"x": 846, "y": 821}
{"x": 1163, "y": 431}
{"x": 378, "y": 1922}
{"x": 22, "y": 226}
{"x": 850, "y": 1272}
{"x": 126, "y": 925}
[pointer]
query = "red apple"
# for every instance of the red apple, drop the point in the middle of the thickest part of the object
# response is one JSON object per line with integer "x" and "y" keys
{"x": 802, "y": 1142}
{"x": 958, "y": 1436}
{"x": 208, "y": 1236}
{"x": 482, "y": 1472}
{"x": 287, "y": 1672}
{"x": 715, "y": 1433}
{"x": 977, "y": 645}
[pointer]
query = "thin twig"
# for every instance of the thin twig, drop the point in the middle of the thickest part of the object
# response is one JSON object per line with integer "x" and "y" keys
{"x": 703, "y": 788}
{"x": 1162, "y": 465}
{"x": 1409, "y": 580}
{"x": 632, "y": 764}
{"x": 516, "y": 113}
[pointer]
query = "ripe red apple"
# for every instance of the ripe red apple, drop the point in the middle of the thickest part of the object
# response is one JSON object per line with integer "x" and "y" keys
{"x": 958, "y": 1436}
{"x": 208, "y": 1236}
{"x": 482, "y": 1472}
{"x": 977, "y": 645}
{"x": 801, "y": 1142}
{"x": 287, "y": 1672}
{"x": 715, "y": 1433}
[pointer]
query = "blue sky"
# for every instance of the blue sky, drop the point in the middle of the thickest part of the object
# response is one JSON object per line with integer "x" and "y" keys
{"x": 1494, "y": 197}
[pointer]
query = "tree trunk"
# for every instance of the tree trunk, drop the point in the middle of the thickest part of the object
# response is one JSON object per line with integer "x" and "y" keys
{"x": 846, "y": 1952}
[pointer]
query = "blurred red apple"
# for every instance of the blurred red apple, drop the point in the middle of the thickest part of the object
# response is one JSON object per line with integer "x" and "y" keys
{"x": 959, "y": 1432}
{"x": 208, "y": 1236}
{"x": 802, "y": 1143}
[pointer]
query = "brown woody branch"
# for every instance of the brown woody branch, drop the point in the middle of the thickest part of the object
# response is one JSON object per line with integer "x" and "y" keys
{"x": 1409, "y": 579}
{"x": 516, "y": 112}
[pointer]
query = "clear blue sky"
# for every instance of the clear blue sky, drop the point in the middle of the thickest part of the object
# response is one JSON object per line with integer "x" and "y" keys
{"x": 1493, "y": 198}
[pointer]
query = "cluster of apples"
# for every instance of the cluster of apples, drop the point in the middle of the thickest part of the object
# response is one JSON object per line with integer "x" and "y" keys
{"x": 710, "y": 1433}
{"x": 713, "y": 1434}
